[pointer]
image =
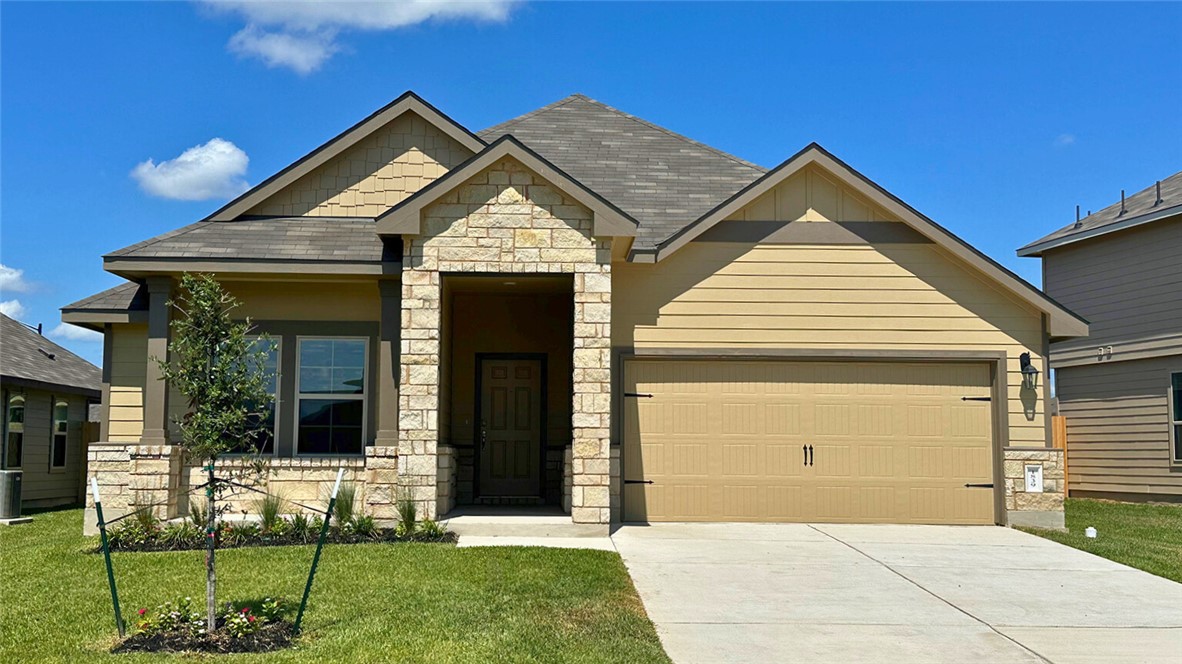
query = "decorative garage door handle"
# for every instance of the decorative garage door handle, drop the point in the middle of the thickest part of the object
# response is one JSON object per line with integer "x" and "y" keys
{"x": 808, "y": 454}
{"x": 971, "y": 485}
{"x": 638, "y": 481}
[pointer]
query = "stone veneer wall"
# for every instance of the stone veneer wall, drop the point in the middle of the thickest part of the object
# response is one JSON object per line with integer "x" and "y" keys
{"x": 130, "y": 474}
{"x": 507, "y": 220}
{"x": 1024, "y": 508}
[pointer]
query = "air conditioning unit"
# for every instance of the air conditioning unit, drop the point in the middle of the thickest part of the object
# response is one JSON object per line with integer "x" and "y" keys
{"x": 10, "y": 494}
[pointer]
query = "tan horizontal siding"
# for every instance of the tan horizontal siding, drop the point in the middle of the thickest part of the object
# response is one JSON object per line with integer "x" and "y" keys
{"x": 1118, "y": 426}
{"x": 129, "y": 358}
{"x": 886, "y": 297}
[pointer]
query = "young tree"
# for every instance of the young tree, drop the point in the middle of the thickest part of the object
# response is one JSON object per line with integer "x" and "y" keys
{"x": 220, "y": 369}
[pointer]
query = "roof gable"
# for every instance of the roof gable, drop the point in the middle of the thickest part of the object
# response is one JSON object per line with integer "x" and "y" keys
{"x": 372, "y": 171}
{"x": 406, "y": 217}
{"x": 1063, "y": 323}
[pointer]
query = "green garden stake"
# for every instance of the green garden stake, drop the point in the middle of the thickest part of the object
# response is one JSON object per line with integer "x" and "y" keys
{"x": 98, "y": 511}
{"x": 319, "y": 545}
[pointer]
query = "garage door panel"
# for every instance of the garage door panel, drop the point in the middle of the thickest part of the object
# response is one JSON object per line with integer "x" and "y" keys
{"x": 723, "y": 441}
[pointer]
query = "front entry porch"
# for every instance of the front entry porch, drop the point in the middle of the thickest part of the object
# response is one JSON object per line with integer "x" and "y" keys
{"x": 505, "y": 387}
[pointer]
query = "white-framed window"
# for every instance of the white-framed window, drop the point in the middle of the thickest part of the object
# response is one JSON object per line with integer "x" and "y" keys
{"x": 1175, "y": 395}
{"x": 267, "y": 421}
{"x": 14, "y": 430}
{"x": 60, "y": 433}
{"x": 331, "y": 388}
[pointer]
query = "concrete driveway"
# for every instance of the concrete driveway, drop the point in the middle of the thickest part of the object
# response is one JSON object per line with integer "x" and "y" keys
{"x": 874, "y": 593}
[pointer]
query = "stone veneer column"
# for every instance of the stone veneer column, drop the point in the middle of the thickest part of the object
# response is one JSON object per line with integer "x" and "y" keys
{"x": 389, "y": 364}
{"x": 591, "y": 387}
{"x": 155, "y": 397}
{"x": 418, "y": 381}
{"x": 1025, "y": 508}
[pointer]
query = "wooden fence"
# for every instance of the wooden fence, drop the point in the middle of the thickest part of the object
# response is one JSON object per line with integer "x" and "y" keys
{"x": 1059, "y": 440}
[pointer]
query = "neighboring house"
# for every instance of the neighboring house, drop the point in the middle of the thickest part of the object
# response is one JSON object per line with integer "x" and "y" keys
{"x": 46, "y": 392}
{"x": 580, "y": 308}
{"x": 1121, "y": 388}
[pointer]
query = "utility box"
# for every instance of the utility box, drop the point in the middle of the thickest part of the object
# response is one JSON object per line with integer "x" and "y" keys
{"x": 10, "y": 494}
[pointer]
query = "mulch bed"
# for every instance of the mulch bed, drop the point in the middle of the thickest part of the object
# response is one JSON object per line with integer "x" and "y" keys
{"x": 384, "y": 535}
{"x": 273, "y": 636}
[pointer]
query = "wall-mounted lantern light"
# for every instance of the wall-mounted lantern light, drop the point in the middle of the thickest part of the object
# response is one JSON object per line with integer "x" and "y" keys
{"x": 1029, "y": 372}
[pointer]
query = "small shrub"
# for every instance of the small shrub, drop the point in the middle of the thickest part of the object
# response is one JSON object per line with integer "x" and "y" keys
{"x": 198, "y": 513}
{"x": 344, "y": 510}
{"x": 143, "y": 513}
{"x": 301, "y": 527}
{"x": 430, "y": 530}
{"x": 237, "y": 534}
{"x": 129, "y": 534}
{"x": 269, "y": 507}
{"x": 180, "y": 535}
{"x": 364, "y": 526}
{"x": 242, "y": 622}
{"x": 177, "y": 616}
{"x": 408, "y": 515}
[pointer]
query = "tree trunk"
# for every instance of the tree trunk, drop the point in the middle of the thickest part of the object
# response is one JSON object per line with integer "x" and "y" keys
{"x": 210, "y": 544}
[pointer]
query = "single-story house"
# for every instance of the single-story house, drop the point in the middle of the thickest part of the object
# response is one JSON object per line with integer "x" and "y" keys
{"x": 578, "y": 308}
{"x": 46, "y": 391}
{"x": 1120, "y": 389}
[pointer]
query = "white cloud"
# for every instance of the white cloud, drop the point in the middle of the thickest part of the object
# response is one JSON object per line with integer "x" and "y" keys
{"x": 12, "y": 280}
{"x": 74, "y": 333}
{"x": 1064, "y": 140}
{"x": 302, "y": 52}
{"x": 302, "y": 34}
{"x": 211, "y": 170}
{"x": 13, "y": 309}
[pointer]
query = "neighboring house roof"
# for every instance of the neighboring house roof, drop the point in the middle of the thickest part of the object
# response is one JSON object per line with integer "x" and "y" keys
{"x": 662, "y": 179}
{"x": 405, "y": 218}
{"x": 1141, "y": 208}
{"x": 1063, "y": 322}
{"x": 284, "y": 240}
{"x": 28, "y": 357}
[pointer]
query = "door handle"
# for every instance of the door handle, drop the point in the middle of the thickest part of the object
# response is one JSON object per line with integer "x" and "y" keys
{"x": 804, "y": 449}
{"x": 483, "y": 435}
{"x": 811, "y": 457}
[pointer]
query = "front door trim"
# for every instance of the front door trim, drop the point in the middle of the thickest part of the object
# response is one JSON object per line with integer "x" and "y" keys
{"x": 542, "y": 412}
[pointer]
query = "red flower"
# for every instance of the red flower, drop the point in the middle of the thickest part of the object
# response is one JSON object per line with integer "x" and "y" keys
{"x": 250, "y": 618}
{"x": 246, "y": 609}
{"x": 143, "y": 611}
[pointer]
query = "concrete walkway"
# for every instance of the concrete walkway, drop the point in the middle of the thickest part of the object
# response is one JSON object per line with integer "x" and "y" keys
{"x": 878, "y": 593}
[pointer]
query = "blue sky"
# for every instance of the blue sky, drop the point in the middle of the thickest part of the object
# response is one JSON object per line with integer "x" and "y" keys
{"x": 993, "y": 119}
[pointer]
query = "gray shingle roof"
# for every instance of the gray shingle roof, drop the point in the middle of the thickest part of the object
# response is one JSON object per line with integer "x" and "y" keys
{"x": 128, "y": 296}
{"x": 281, "y": 239}
{"x": 660, "y": 178}
{"x": 1140, "y": 204}
{"x": 26, "y": 355}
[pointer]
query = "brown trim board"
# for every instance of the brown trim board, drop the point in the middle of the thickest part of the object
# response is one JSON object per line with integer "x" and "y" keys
{"x": 812, "y": 232}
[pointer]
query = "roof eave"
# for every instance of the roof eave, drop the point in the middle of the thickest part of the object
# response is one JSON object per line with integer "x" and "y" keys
{"x": 1038, "y": 247}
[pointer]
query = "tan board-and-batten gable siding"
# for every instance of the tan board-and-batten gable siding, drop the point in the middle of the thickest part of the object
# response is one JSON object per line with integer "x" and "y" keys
{"x": 369, "y": 178}
{"x": 897, "y": 296}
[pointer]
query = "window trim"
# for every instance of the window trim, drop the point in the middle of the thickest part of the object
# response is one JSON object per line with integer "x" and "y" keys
{"x": 54, "y": 400}
{"x": 8, "y": 396}
{"x": 1175, "y": 418}
{"x": 299, "y": 396}
{"x": 275, "y": 427}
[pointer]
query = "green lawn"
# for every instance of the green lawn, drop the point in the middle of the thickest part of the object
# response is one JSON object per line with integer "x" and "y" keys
{"x": 371, "y": 602}
{"x": 1147, "y": 537}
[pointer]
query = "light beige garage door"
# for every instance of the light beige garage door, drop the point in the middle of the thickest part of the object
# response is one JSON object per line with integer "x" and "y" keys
{"x": 727, "y": 440}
